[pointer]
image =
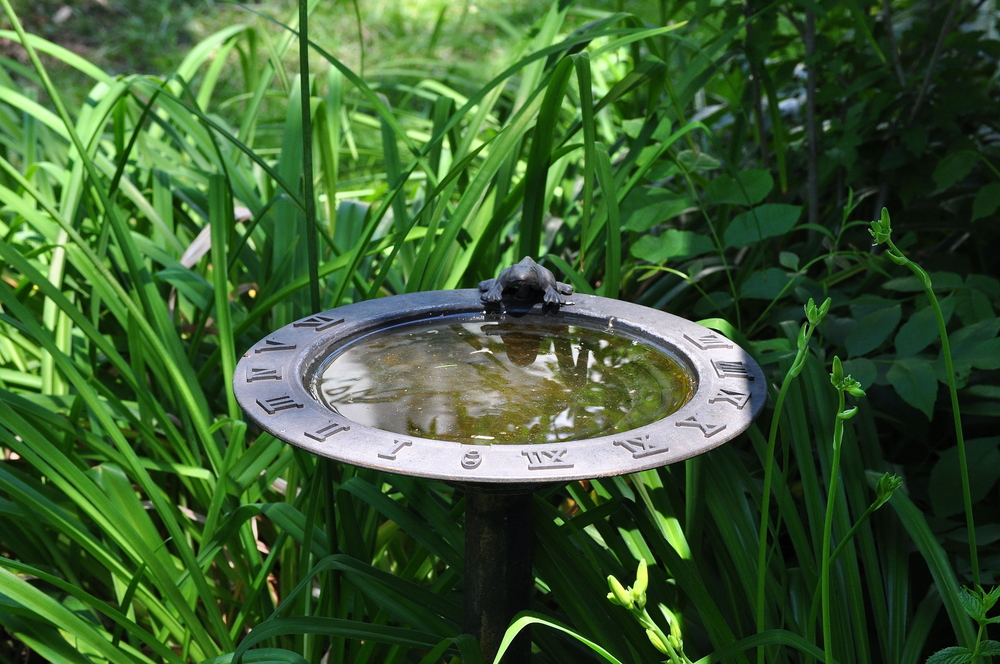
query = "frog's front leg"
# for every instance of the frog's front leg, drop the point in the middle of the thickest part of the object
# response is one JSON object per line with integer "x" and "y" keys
{"x": 491, "y": 289}
{"x": 553, "y": 296}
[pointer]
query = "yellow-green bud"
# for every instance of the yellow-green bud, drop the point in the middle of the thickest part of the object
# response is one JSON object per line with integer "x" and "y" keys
{"x": 618, "y": 594}
{"x": 656, "y": 641}
{"x": 641, "y": 583}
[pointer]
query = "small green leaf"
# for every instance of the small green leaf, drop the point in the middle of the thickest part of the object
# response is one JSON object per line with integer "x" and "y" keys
{"x": 987, "y": 355}
{"x": 988, "y": 647}
{"x": 953, "y": 168}
{"x": 747, "y": 188}
{"x": 983, "y": 459}
{"x": 789, "y": 260}
{"x": 633, "y": 126}
{"x": 869, "y": 332}
{"x": 970, "y": 603}
{"x": 697, "y": 161}
{"x": 921, "y": 329}
{"x": 990, "y": 598}
{"x": 766, "y": 284}
{"x": 661, "y": 209}
{"x": 952, "y": 655}
{"x": 973, "y": 306}
{"x": 915, "y": 381}
{"x": 762, "y": 222}
{"x": 671, "y": 244}
{"x": 976, "y": 345}
{"x": 987, "y": 201}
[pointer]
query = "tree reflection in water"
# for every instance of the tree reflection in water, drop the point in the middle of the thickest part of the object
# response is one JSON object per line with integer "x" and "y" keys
{"x": 529, "y": 381}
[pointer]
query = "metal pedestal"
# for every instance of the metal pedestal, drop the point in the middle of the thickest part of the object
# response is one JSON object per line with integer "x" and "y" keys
{"x": 498, "y": 578}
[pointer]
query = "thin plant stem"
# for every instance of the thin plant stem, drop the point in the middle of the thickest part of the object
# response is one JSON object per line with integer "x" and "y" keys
{"x": 312, "y": 250}
{"x": 886, "y": 486}
{"x": 949, "y": 368}
{"x": 843, "y": 385}
{"x": 826, "y": 558}
{"x": 881, "y": 231}
{"x": 813, "y": 317}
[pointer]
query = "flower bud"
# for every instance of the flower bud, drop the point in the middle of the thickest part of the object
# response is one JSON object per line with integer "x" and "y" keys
{"x": 618, "y": 594}
{"x": 887, "y": 484}
{"x": 642, "y": 576}
{"x": 803, "y": 339}
{"x": 655, "y": 640}
{"x": 641, "y": 583}
{"x": 837, "y": 376}
{"x": 881, "y": 230}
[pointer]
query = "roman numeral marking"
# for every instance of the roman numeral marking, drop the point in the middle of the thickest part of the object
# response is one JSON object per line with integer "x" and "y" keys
{"x": 708, "y": 429}
{"x": 546, "y": 459}
{"x": 272, "y": 344}
{"x": 318, "y": 323}
{"x": 331, "y": 429}
{"x": 641, "y": 447}
{"x": 261, "y": 373}
{"x": 275, "y": 404}
{"x": 472, "y": 459}
{"x": 735, "y": 397}
{"x": 397, "y": 446}
{"x": 731, "y": 369}
{"x": 708, "y": 341}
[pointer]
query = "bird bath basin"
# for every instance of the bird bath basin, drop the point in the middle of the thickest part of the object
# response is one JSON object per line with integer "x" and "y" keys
{"x": 498, "y": 398}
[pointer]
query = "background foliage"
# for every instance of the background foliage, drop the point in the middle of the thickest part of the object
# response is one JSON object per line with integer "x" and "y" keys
{"x": 718, "y": 160}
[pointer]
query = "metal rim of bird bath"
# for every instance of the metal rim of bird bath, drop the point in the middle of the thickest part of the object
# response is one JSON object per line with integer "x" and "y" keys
{"x": 273, "y": 385}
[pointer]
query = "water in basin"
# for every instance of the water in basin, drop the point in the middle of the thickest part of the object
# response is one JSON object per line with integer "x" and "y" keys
{"x": 529, "y": 380}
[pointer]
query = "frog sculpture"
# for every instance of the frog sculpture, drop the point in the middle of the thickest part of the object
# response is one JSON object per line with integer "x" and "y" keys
{"x": 526, "y": 280}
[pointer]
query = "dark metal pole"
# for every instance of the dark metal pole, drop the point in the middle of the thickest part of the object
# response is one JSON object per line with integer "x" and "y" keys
{"x": 498, "y": 578}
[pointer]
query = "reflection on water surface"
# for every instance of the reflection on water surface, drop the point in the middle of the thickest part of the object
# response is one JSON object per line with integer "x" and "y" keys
{"x": 501, "y": 383}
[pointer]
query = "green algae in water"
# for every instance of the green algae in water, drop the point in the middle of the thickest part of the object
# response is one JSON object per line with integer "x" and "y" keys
{"x": 501, "y": 383}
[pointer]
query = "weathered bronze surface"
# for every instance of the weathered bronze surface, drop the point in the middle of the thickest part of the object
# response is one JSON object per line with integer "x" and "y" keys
{"x": 526, "y": 281}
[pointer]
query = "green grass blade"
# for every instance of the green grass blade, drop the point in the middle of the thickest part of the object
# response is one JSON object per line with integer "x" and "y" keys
{"x": 611, "y": 286}
{"x": 536, "y": 170}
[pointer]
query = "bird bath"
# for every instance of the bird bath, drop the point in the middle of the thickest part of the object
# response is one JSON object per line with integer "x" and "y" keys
{"x": 498, "y": 398}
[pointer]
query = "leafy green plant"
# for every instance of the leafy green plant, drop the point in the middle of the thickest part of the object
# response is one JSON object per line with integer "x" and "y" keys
{"x": 977, "y": 603}
{"x": 633, "y": 598}
{"x": 152, "y": 232}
